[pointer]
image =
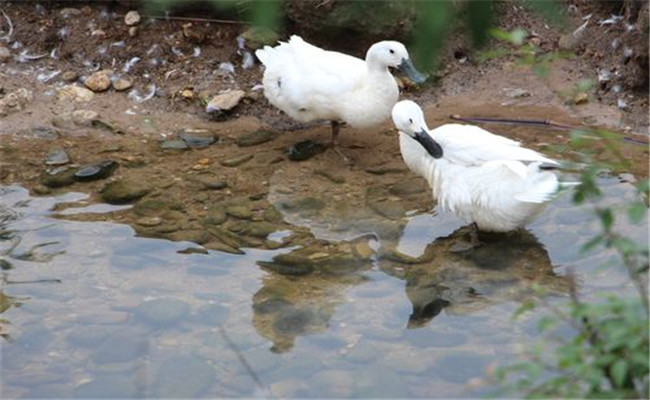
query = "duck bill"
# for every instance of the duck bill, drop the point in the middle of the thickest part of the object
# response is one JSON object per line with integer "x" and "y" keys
{"x": 431, "y": 146}
{"x": 409, "y": 70}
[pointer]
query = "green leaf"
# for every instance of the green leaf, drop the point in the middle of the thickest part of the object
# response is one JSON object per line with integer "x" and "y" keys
{"x": 606, "y": 217}
{"x": 525, "y": 306}
{"x": 595, "y": 241}
{"x": 618, "y": 371}
{"x": 546, "y": 322}
{"x": 433, "y": 23}
{"x": 636, "y": 212}
{"x": 479, "y": 19}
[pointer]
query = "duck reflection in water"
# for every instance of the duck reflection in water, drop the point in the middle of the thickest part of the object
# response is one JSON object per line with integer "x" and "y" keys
{"x": 304, "y": 287}
{"x": 508, "y": 267}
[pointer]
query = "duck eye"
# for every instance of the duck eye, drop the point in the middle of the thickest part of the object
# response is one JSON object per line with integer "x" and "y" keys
{"x": 410, "y": 120}
{"x": 391, "y": 51}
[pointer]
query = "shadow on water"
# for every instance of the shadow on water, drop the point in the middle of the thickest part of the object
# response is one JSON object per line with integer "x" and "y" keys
{"x": 507, "y": 267}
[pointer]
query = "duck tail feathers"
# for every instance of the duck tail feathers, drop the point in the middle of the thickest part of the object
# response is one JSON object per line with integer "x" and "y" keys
{"x": 540, "y": 186}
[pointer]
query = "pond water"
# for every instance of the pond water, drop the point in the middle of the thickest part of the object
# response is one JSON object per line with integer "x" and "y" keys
{"x": 91, "y": 310}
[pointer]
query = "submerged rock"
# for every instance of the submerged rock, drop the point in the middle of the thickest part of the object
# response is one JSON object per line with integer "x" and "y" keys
{"x": 305, "y": 150}
{"x": 100, "y": 170}
{"x": 255, "y": 138}
{"x": 57, "y": 157}
{"x": 198, "y": 138}
{"x": 102, "y": 124}
{"x": 241, "y": 211}
{"x": 236, "y": 161}
{"x": 174, "y": 145}
{"x": 124, "y": 191}
{"x": 59, "y": 177}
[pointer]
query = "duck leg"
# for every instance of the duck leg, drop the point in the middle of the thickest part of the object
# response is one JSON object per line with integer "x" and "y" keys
{"x": 473, "y": 236}
{"x": 336, "y": 128}
{"x": 463, "y": 245}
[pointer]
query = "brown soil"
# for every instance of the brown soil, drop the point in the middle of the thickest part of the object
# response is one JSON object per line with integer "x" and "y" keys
{"x": 95, "y": 37}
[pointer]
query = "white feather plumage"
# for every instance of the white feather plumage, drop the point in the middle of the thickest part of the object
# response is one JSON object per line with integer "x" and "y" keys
{"x": 482, "y": 177}
{"x": 309, "y": 83}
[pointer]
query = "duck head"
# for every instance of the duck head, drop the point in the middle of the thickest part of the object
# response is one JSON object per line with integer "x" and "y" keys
{"x": 393, "y": 54}
{"x": 409, "y": 119}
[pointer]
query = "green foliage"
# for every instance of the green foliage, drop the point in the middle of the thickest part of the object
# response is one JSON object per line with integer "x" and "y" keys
{"x": 434, "y": 22}
{"x": 608, "y": 355}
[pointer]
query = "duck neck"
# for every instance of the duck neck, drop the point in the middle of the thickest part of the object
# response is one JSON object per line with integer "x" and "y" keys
{"x": 375, "y": 67}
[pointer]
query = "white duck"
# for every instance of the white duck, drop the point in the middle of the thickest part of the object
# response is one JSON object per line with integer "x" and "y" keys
{"x": 488, "y": 180}
{"x": 309, "y": 83}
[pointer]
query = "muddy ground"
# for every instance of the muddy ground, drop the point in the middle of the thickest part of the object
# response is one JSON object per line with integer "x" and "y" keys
{"x": 226, "y": 186}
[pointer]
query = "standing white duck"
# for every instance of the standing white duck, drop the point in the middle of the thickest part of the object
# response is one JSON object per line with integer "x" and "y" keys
{"x": 488, "y": 180}
{"x": 309, "y": 83}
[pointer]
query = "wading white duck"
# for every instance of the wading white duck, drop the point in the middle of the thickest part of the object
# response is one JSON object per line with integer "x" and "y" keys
{"x": 488, "y": 180}
{"x": 309, "y": 83}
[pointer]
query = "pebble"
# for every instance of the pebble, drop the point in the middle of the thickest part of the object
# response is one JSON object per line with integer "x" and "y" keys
{"x": 5, "y": 54}
{"x": 132, "y": 18}
{"x": 98, "y": 82}
{"x": 197, "y": 138}
{"x": 84, "y": 117}
{"x": 41, "y": 190}
{"x": 15, "y": 101}
{"x": 305, "y": 150}
{"x": 69, "y": 76}
{"x": 121, "y": 84}
{"x": 517, "y": 93}
{"x": 194, "y": 35}
{"x": 236, "y": 161}
{"x": 149, "y": 221}
{"x": 63, "y": 121}
{"x": 124, "y": 191}
{"x": 57, "y": 157}
{"x": 214, "y": 185}
{"x": 255, "y": 138}
{"x": 59, "y": 177}
{"x": 225, "y": 101}
{"x": 581, "y": 98}
{"x": 241, "y": 211}
{"x": 102, "y": 124}
{"x": 174, "y": 145}
{"x": 69, "y": 11}
{"x": 43, "y": 132}
{"x": 75, "y": 93}
{"x": 133, "y": 31}
{"x": 100, "y": 170}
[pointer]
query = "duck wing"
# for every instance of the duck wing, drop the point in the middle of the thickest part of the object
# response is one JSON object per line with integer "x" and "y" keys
{"x": 470, "y": 145}
{"x": 304, "y": 73}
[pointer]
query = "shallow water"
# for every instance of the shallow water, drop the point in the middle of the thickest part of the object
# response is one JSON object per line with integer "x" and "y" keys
{"x": 91, "y": 310}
